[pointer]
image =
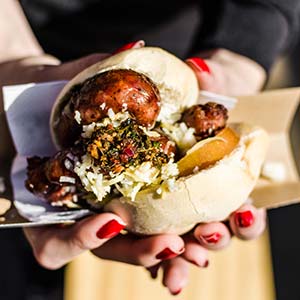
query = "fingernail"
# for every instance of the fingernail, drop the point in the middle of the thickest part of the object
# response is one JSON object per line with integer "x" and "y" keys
{"x": 204, "y": 265}
{"x": 199, "y": 63}
{"x": 244, "y": 219}
{"x": 167, "y": 253}
{"x": 110, "y": 229}
{"x": 133, "y": 45}
{"x": 176, "y": 292}
{"x": 211, "y": 238}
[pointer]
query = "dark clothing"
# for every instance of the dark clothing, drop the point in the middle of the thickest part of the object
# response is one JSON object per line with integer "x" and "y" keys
{"x": 259, "y": 29}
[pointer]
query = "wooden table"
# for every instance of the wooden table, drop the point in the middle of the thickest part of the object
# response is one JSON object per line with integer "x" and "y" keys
{"x": 242, "y": 271}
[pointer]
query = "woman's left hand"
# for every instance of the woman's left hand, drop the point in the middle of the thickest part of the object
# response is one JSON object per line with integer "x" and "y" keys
{"x": 226, "y": 73}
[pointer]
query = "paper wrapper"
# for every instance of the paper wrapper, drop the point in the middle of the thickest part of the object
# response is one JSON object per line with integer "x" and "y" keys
{"x": 28, "y": 110}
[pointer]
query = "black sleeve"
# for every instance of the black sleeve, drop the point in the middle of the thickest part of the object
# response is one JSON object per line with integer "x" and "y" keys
{"x": 258, "y": 29}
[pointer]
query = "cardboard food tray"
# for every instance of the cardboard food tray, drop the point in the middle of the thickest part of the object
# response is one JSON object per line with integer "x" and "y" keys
{"x": 278, "y": 112}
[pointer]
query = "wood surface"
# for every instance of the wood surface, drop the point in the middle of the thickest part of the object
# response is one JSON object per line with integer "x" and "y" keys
{"x": 242, "y": 271}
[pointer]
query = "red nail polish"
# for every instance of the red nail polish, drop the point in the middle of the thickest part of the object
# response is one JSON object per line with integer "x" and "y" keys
{"x": 211, "y": 238}
{"x": 110, "y": 229}
{"x": 133, "y": 45}
{"x": 206, "y": 264}
{"x": 244, "y": 219}
{"x": 176, "y": 292}
{"x": 199, "y": 63}
{"x": 167, "y": 253}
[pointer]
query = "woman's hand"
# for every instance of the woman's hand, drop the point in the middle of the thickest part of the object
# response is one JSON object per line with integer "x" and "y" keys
{"x": 226, "y": 73}
{"x": 245, "y": 223}
{"x": 54, "y": 246}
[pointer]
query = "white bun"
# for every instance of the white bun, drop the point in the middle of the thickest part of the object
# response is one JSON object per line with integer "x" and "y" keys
{"x": 210, "y": 195}
{"x": 176, "y": 81}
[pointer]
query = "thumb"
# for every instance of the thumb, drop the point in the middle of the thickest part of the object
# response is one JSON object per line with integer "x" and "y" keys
{"x": 69, "y": 69}
{"x": 202, "y": 70}
{"x": 53, "y": 247}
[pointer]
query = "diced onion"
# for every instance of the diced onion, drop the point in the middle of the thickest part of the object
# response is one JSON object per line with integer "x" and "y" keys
{"x": 67, "y": 179}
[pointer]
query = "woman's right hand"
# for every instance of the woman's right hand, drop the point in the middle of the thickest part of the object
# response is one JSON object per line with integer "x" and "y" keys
{"x": 55, "y": 246}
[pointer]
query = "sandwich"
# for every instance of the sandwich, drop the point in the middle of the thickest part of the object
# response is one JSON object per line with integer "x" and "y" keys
{"x": 132, "y": 139}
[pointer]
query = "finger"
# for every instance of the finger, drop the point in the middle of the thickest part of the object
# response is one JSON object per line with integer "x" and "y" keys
{"x": 175, "y": 274}
{"x": 205, "y": 74}
{"x": 248, "y": 222}
{"x": 69, "y": 69}
{"x": 202, "y": 71}
{"x": 146, "y": 251}
{"x": 133, "y": 45}
{"x": 53, "y": 247}
{"x": 212, "y": 236}
{"x": 195, "y": 253}
{"x": 66, "y": 71}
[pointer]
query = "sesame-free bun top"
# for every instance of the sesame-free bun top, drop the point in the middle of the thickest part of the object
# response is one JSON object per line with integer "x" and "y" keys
{"x": 175, "y": 80}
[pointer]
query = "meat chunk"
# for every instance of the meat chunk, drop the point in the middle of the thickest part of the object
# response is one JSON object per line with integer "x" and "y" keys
{"x": 119, "y": 90}
{"x": 207, "y": 119}
{"x": 47, "y": 177}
